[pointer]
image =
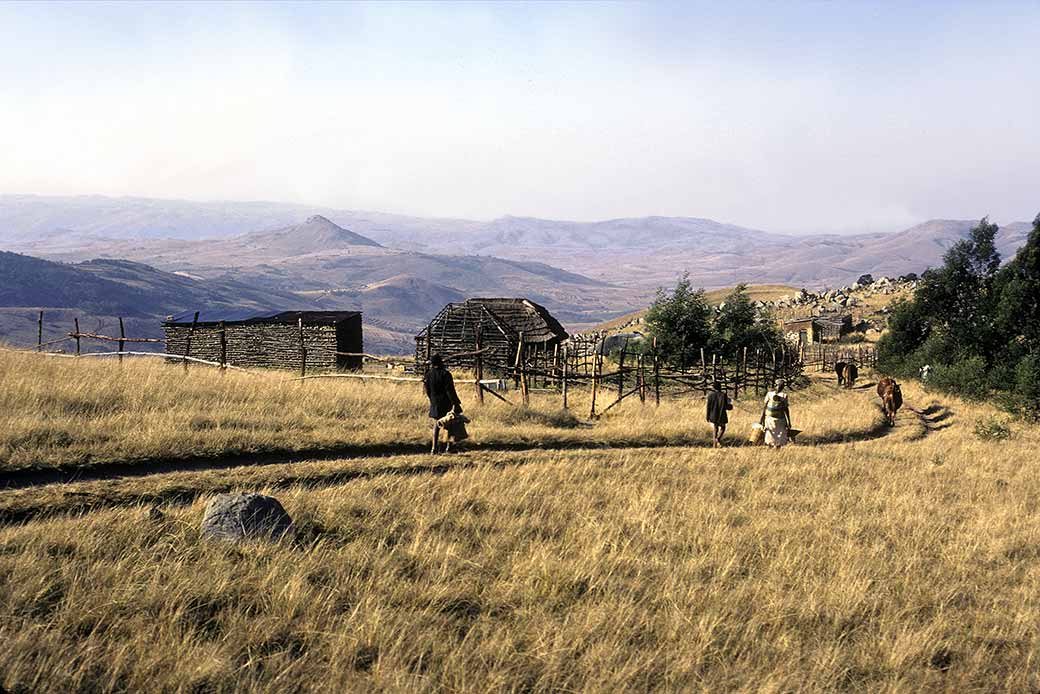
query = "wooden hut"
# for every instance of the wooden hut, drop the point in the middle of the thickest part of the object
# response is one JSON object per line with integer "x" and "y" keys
{"x": 503, "y": 328}
{"x": 817, "y": 328}
{"x": 272, "y": 341}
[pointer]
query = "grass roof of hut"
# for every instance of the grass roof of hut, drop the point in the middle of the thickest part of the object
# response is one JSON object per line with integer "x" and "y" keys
{"x": 233, "y": 317}
{"x": 524, "y": 316}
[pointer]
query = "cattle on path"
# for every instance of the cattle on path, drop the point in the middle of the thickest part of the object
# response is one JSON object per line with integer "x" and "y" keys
{"x": 839, "y": 369}
{"x": 891, "y": 398}
{"x": 851, "y": 374}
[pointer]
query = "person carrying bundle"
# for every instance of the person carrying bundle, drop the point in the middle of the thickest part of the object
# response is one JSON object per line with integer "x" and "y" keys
{"x": 776, "y": 416}
{"x": 718, "y": 404}
{"x": 444, "y": 401}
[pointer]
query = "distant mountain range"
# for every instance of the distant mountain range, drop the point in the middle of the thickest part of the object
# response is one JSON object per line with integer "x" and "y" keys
{"x": 399, "y": 270}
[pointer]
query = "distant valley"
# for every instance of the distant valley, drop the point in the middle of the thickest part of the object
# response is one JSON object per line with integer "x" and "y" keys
{"x": 175, "y": 256}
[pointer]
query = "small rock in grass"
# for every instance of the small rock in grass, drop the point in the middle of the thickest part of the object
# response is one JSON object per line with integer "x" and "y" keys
{"x": 245, "y": 517}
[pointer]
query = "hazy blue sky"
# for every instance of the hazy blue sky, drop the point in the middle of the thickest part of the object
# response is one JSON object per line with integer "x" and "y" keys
{"x": 784, "y": 116}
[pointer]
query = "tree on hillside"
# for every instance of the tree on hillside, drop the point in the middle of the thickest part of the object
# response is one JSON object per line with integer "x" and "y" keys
{"x": 680, "y": 321}
{"x": 1018, "y": 311}
{"x": 739, "y": 324}
{"x": 1018, "y": 321}
{"x": 959, "y": 297}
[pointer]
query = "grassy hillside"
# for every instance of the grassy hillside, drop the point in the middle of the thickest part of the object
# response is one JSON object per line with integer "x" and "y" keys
{"x": 875, "y": 560}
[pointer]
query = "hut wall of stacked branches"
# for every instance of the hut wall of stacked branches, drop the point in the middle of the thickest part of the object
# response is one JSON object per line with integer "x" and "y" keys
{"x": 323, "y": 340}
{"x": 505, "y": 331}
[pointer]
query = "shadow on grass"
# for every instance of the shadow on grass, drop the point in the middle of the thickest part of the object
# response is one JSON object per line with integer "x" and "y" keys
{"x": 31, "y": 477}
{"x": 72, "y": 502}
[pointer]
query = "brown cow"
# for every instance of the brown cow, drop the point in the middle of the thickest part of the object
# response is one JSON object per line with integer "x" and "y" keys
{"x": 891, "y": 398}
{"x": 851, "y": 374}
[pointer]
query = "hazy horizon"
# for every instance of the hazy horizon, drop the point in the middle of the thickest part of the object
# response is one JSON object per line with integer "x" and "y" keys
{"x": 792, "y": 118}
{"x": 309, "y": 210}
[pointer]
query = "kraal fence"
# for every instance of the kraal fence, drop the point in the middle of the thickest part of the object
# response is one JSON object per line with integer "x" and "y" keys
{"x": 578, "y": 363}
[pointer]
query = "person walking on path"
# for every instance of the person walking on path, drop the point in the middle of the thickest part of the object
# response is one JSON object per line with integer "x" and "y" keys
{"x": 440, "y": 389}
{"x": 718, "y": 404}
{"x": 776, "y": 416}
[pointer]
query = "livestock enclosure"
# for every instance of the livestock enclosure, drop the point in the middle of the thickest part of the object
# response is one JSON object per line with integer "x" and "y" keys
{"x": 573, "y": 362}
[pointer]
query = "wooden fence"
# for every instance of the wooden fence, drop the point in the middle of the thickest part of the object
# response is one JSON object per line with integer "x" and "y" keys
{"x": 578, "y": 365}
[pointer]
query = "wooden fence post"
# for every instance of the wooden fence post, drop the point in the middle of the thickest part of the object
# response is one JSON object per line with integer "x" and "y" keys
{"x": 187, "y": 341}
{"x": 478, "y": 370}
{"x": 76, "y": 324}
{"x": 122, "y": 337}
{"x": 39, "y": 333}
{"x": 303, "y": 350}
{"x": 704, "y": 372}
{"x": 522, "y": 362}
{"x": 516, "y": 362}
{"x": 744, "y": 370}
{"x": 223, "y": 347}
{"x": 657, "y": 376}
{"x": 621, "y": 371}
{"x": 643, "y": 382}
{"x": 566, "y": 365}
{"x": 595, "y": 382}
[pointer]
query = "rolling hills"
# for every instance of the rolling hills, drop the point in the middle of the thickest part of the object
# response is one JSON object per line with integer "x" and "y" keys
{"x": 399, "y": 270}
{"x": 639, "y": 254}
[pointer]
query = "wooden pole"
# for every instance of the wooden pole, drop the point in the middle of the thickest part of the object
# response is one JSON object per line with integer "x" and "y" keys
{"x": 744, "y": 370}
{"x": 187, "y": 342}
{"x": 566, "y": 365}
{"x": 595, "y": 382}
{"x": 556, "y": 359}
{"x": 223, "y": 347}
{"x": 704, "y": 372}
{"x": 39, "y": 333}
{"x": 657, "y": 377}
{"x": 643, "y": 381}
{"x": 122, "y": 338}
{"x": 516, "y": 362}
{"x": 303, "y": 349}
{"x": 76, "y": 324}
{"x": 522, "y": 363}
{"x": 479, "y": 370}
{"x": 621, "y": 371}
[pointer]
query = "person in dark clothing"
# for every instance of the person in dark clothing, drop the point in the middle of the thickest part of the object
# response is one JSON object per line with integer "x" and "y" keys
{"x": 718, "y": 403}
{"x": 440, "y": 389}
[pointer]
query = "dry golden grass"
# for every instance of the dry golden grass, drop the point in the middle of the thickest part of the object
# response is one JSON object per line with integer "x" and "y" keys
{"x": 876, "y": 560}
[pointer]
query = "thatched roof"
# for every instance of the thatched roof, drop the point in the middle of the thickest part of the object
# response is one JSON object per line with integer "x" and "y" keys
{"x": 524, "y": 316}
{"x": 231, "y": 317}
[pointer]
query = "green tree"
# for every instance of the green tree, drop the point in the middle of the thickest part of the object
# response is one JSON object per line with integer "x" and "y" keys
{"x": 959, "y": 297}
{"x": 680, "y": 321}
{"x": 740, "y": 324}
{"x": 909, "y": 326}
{"x": 1018, "y": 311}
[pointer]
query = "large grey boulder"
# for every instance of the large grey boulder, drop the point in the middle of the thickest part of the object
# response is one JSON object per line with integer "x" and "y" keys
{"x": 245, "y": 517}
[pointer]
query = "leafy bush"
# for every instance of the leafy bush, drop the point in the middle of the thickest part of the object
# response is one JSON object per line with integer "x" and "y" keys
{"x": 1027, "y": 386}
{"x": 967, "y": 378}
{"x": 992, "y": 430}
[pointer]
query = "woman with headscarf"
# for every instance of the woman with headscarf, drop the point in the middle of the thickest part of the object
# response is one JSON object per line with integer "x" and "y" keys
{"x": 440, "y": 389}
{"x": 777, "y": 415}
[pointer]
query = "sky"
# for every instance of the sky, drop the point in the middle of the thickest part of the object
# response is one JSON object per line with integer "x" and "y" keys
{"x": 784, "y": 116}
